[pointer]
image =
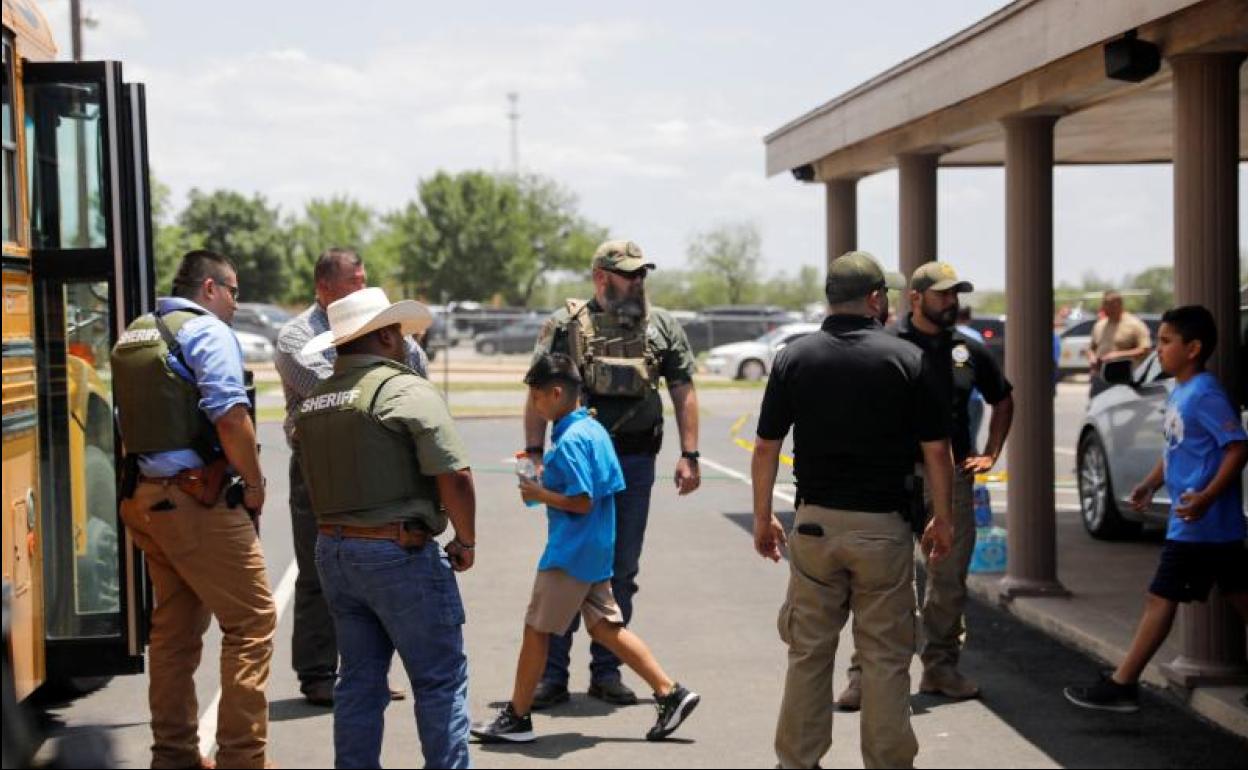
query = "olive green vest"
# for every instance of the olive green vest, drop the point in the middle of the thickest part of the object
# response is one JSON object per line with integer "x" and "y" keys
{"x": 352, "y": 464}
{"x": 158, "y": 409}
{"x": 614, "y": 359}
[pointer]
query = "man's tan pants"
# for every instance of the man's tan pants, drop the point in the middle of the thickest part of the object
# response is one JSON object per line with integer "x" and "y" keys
{"x": 203, "y": 562}
{"x": 864, "y": 563}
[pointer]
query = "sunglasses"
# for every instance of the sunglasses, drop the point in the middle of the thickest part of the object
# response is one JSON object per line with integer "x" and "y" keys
{"x": 636, "y": 275}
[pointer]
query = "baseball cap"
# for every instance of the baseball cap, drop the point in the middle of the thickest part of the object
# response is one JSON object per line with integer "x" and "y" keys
{"x": 855, "y": 274}
{"x": 938, "y": 276}
{"x": 620, "y": 256}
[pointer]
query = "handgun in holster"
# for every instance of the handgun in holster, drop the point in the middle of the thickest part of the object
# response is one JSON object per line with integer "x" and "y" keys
{"x": 916, "y": 507}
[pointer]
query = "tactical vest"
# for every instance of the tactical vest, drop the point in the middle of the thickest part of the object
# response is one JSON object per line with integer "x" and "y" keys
{"x": 158, "y": 409}
{"x": 614, "y": 359}
{"x": 351, "y": 462}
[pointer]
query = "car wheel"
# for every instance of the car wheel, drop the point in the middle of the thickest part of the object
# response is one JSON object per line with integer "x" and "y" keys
{"x": 751, "y": 370}
{"x": 1097, "y": 504}
{"x": 487, "y": 348}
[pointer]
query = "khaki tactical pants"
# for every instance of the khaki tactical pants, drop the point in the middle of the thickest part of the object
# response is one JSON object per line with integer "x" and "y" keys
{"x": 204, "y": 562}
{"x": 944, "y": 600}
{"x": 944, "y": 597}
{"x": 864, "y": 563}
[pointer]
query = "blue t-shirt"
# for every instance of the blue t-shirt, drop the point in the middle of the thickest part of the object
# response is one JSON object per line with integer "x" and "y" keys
{"x": 1200, "y": 422}
{"x": 581, "y": 461}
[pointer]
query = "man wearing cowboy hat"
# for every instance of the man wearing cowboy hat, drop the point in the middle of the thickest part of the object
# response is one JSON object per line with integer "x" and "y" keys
{"x": 386, "y": 470}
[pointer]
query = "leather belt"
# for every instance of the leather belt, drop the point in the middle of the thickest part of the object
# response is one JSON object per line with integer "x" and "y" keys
{"x": 404, "y": 533}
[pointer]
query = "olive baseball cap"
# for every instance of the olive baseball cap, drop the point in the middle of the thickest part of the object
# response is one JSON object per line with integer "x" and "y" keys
{"x": 855, "y": 274}
{"x": 620, "y": 256}
{"x": 938, "y": 276}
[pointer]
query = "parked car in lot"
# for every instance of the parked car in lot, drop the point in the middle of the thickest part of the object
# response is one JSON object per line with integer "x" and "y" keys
{"x": 992, "y": 328}
{"x": 1077, "y": 338}
{"x": 724, "y": 324}
{"x": 256, "y": 349}
{"x": 752, "y": 360}
{"x": 259, "y": 318}
{"x": 519, "y": 337}
{"x": 1120, "y": 442}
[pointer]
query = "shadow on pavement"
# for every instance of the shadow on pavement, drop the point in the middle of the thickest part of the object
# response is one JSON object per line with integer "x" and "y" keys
{"x": 556, "y": 745}
{"x": 581, "y": 706}
{"x": 295, "y": 708}
{"x": 1021, "y": 672}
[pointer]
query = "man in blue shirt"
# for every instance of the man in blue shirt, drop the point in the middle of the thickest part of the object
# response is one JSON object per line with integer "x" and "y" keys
{"x": 1206, "y": 451}
{"x": 580, "y": 479}
{"x": 204, "y": 556}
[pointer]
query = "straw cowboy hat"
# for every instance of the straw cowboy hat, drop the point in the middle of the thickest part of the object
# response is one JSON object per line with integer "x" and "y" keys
{"x": 364, "y": 311}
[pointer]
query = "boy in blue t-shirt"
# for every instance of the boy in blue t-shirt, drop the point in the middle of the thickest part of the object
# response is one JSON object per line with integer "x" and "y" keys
{"x": 1206, "y": 450}
{"x": 580, "y": 478}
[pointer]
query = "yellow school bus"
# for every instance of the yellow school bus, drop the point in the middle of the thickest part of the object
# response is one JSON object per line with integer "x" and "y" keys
{"x": 77, "y": 268}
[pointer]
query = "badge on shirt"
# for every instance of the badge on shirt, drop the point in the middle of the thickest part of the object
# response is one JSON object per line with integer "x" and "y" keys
{"x": 961, "y": 355}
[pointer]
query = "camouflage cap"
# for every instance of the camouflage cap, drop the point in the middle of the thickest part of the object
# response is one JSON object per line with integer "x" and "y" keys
{"x": 620, "y": 256}
{"x": 938, "y": 276}
{"x": 855, "y": 274}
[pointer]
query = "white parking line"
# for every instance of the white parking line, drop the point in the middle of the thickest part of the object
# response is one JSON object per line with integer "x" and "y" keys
{"x": 208, "y": 720}
{"x": 743, "y": 478}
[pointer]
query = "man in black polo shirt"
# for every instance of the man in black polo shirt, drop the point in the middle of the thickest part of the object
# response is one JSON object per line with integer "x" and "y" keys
{"x": 963, "y": 365}
{"x": 859, "y": 401}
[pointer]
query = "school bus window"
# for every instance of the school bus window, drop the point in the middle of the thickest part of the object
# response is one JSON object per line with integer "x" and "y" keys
{"x": 65, "y": 139}
{"x": 10, "y": 151}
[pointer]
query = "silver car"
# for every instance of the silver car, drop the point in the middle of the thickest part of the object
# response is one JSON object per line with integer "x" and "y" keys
{"x": 1119, "y": 444}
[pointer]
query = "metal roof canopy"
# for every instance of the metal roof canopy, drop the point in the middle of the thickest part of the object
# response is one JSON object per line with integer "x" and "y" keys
{"x": 1032, "y": 56}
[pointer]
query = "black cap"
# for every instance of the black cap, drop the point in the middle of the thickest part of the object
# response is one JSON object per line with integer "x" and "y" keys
{"x": 552, "y": 367}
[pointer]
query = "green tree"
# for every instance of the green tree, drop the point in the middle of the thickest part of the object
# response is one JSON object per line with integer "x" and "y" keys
{"x": 1159, "y": 283}
{"x": 328, "y": 222}
{"x": 169, "y": 239}
{"x": 729, "y": 255}
{"x": 248, "y": 231}
{"x": 557, "y": 237}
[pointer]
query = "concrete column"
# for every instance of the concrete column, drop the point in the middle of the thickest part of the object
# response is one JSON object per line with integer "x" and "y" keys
{"x": 1032, "y": 563}
{"x": 842, "y": 217}
{"x": 1206, "y": 272}
{"x": 916, "y": 173}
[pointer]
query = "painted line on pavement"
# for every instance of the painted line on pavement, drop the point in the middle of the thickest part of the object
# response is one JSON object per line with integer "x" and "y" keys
{"x": 743, "y": 478}
{"x": 208, "y": 720}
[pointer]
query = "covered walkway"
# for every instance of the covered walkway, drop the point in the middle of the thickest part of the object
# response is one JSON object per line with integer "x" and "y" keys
{"x": 1039, "y": 83}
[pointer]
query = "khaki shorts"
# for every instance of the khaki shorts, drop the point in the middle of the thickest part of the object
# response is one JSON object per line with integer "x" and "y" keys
{"x": 557, "y": 597}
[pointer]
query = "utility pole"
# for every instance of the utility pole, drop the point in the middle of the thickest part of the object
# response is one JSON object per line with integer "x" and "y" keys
{"x": 75, "y": 26}
{"x": 513, "y": 115}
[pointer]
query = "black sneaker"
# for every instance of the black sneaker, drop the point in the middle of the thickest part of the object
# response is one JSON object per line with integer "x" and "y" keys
{"x": 673, "y": 708}
{"x": 1106, "y": 695}
{"x": 613, "y": 691}
{"x": 507, "y": 727}
{"x": 549, "y": 694}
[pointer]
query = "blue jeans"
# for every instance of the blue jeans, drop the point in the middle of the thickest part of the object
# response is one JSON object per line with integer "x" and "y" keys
{"x": 632, "y": 509}
{"x": 384, "y": 599}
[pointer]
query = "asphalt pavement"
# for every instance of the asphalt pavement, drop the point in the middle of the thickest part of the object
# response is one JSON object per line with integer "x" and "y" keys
{"x": 707, "y": 607}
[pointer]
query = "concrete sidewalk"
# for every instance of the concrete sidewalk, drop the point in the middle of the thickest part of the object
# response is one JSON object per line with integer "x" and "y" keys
{"x": 1107, "y": 581}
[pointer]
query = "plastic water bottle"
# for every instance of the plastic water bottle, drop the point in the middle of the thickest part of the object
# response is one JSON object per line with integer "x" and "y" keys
{"x": 990, "y": 550}
{"x": 525, "y": 469}
{"x": 983, "y": 506}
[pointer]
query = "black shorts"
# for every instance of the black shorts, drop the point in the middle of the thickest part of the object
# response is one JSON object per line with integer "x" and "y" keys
{"x": 1189, "y": 570}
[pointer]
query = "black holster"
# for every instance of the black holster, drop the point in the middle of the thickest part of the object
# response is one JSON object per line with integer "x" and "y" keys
{"x": 915, "y": 509}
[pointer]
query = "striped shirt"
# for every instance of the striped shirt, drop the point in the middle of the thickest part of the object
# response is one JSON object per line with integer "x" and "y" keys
{"x": 301, "y": 374}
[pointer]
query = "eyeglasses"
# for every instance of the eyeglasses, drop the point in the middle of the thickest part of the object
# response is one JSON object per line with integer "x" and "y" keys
{"x": 233, "y": 290}
{"x": 636, "y": 275}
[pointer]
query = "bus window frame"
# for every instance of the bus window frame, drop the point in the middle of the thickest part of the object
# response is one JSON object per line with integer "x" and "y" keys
{"x": 21, "y": 246}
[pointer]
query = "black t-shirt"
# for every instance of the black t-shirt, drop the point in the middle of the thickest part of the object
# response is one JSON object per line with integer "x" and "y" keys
{"x": 966, "y": 365}
{"x": 858, "y": 400}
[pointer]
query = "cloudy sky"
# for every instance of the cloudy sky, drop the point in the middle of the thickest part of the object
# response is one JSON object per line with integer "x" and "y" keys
{"x": 652, "y": 112}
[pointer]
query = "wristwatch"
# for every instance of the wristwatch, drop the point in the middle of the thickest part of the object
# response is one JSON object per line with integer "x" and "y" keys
{"x": 534, "y": 450}
{"x": 694, "y": 455}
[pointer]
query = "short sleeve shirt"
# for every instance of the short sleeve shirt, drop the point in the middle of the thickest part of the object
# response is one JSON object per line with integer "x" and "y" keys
{"x": 859, "y": 401}
{"x": 581, "y": 461}
{"x": 1200, "y": 423}
{"x": 667, "y": 342}
{"x": 1126, "y": 334}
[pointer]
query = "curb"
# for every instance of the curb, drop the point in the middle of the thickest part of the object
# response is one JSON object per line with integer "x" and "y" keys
{"x": 1219, "y": 705}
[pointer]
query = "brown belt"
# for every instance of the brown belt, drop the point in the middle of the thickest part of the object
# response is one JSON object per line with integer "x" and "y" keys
{"x": 400, "y": 532}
